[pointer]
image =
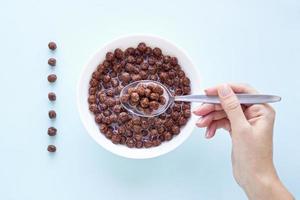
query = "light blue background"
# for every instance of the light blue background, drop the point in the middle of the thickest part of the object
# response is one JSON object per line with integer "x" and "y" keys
{"x": 230, "y": 41}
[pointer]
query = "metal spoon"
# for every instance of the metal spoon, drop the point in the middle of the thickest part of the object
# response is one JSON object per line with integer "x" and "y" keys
{"x": 243, "y": 98}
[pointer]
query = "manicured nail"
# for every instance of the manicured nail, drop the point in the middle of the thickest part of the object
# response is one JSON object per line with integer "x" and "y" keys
{"x": 225, "y": 90}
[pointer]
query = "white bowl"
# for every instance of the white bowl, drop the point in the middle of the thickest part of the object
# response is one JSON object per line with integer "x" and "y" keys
{"x": 87, "y": 117}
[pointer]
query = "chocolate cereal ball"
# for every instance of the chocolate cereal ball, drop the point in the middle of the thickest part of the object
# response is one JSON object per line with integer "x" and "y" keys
{"x": 51, "y": 148}
{"x": 51, "y": 96}
{"x": 52, "y": 78}
{"x": 52, "y": 62}
{"x": 52, "y": 114}
{"x": 52, "y": 131}
{"x": 52, "y": 46}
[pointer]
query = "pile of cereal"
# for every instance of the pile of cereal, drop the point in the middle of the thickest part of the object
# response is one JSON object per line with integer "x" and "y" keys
{"x": 145, "y": 97}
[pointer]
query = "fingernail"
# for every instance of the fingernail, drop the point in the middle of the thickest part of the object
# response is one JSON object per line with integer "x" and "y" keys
{"x": 198, "y": 123}
{"x": 196, "y": 111}
{"x": 225, "y": 90}
{"x": 207, "y": 133}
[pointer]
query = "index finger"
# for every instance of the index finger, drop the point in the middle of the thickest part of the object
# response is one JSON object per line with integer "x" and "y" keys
{"x": 237, "y": 88}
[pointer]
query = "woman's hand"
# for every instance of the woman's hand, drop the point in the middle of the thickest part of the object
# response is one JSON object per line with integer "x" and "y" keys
{"x": 251, "y": 130}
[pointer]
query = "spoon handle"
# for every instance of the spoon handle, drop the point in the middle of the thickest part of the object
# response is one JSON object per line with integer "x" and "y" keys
{"x": 243, "y": 98}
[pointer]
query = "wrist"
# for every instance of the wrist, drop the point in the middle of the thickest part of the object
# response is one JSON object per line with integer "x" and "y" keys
{"x": 258, "y": 184}
{"x": 266, "y": 186}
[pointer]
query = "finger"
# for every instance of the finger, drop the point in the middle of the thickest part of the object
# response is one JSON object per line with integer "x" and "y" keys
{"x": 211, "y": 130}
{"x": 237, "y": 88}
{"x": 259, "y": 110}
{"x": 270, "y": 112}
{"x": 207, "y": 119}
{"x": 253, "y": 111}
{"x": 204, "y": 109}
{"x": 232, "y": 107}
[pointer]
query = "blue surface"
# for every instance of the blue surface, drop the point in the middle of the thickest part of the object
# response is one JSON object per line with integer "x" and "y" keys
{"x": 231, "y": 41}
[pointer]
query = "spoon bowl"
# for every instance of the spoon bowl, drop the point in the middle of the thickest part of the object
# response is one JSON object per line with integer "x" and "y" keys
{"x": 133, "y": 109}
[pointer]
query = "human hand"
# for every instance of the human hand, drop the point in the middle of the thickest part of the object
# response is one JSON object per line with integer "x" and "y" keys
{"x": 251, "y": 130}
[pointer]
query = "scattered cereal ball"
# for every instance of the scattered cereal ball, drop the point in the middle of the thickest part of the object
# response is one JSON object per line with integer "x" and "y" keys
{"x": 51, "y": 96}
{"x": 52, "y": 78}
{"x": 52, "y": 114}
{"x": 52, "y": 131}
{"x": 52, "y": 46}
{"x": 52, "y": 62}
{"x": 51, "y": 148}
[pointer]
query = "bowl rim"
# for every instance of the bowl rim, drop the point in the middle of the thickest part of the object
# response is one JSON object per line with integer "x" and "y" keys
{"x": 80, "y": 81}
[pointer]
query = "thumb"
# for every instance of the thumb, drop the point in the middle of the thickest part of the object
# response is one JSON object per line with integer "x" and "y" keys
{"x": 231, "y": 106}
